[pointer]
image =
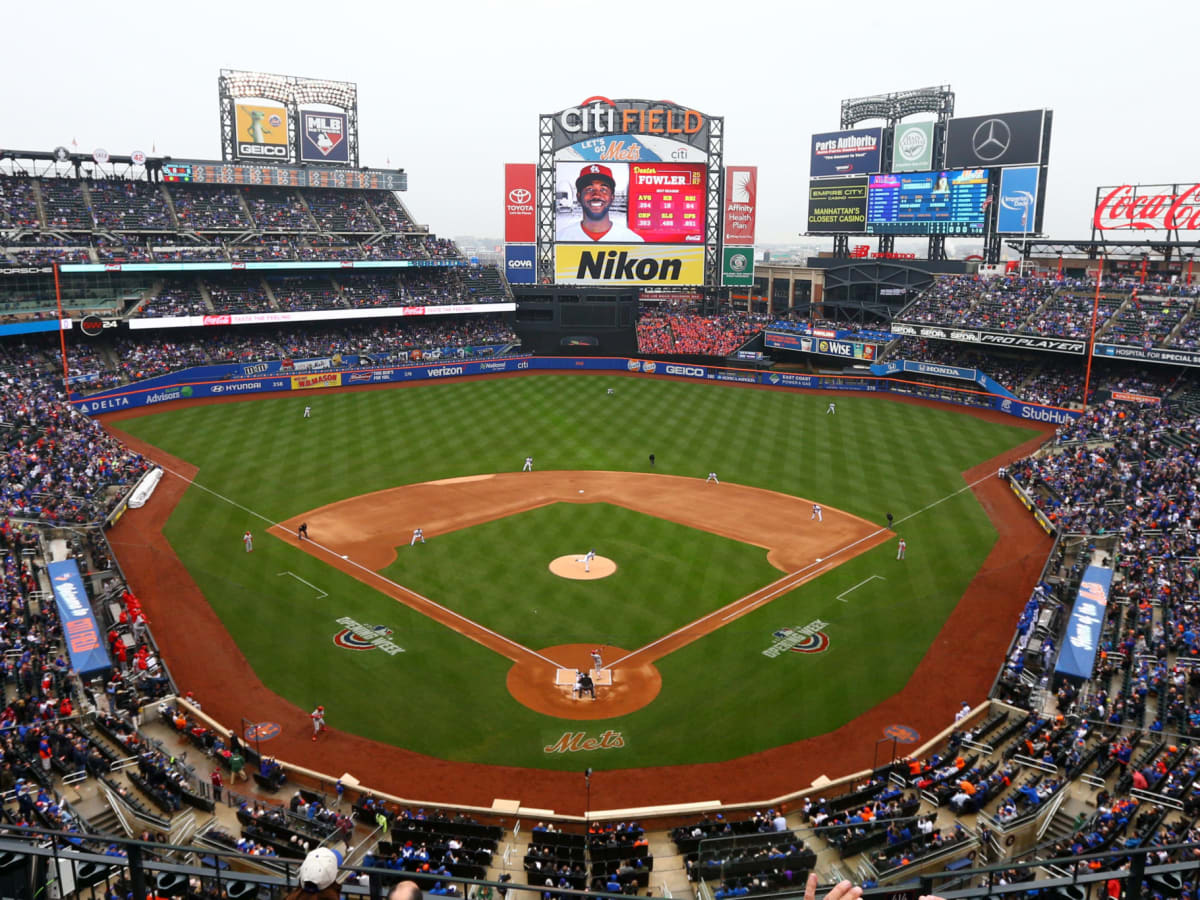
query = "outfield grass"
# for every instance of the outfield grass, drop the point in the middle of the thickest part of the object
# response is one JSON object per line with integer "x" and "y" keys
{"x": 875, "y": 455}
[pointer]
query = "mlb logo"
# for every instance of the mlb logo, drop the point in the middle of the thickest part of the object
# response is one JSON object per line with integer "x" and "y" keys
{"x": 324, "y": 131}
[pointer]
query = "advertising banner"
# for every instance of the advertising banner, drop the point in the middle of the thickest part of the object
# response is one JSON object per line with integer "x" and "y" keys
{"x": 520, "y": 263}
{"x": 1148, "y": 207}
{"x": 1153, "y": 355}
{"x": 660, "y": 203}
{"x": 805, "y": 344}
{"x": 1033, "y": 412}
{"x": 912, "y": 147}
{"x": 737, "y": 266}
{"x": 1077, "y": 655}
{"x": 944, "y": 202}
{"x": 520, "y": 212}
{"x": 323, "y": 137}
{"x": 320, "y": 315}
{"x": 628, "y": 264}
{"x": 838, "y": 205}
{"x": 854, "y": 152}
{"x": 261, "y": 266}
{"x": 260, "y": 131}
{"x": 1017, "y": 212}
{"x": 80, "y": 631}
{"x": 1006, "y": 139}
{"x": 619, "y": 119}
{"x": 1129, "y": 397}
{"x": 631, "y": 148}
{"x": 316, "y": 380}
{"x": 741, "y": 192}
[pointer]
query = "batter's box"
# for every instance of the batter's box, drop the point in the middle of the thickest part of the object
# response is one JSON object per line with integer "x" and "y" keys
{"x": 566, "y": 677}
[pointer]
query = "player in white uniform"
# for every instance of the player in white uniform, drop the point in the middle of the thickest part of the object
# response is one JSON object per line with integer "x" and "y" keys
{"x": 832, "y": 411}
{"x": 597, "y": 660}
{"x": 528, "y": 467}
{"x": 817, "y": 512}
{"x": 611, "y": 392}
{"x": 901, "y": 549}
{"x": 587, "y": 560}
{"x": 712, "y": 476}
{"x": 308, "y": 412}
{"x": 596, "y": 189}
{"x": 318, "y": 720}
{"x": 418, "y": 535}
{"x": 248, "y": 540}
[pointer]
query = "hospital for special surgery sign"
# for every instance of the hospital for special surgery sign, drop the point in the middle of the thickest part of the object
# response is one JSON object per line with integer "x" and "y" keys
{"x": 1148, "y": 207}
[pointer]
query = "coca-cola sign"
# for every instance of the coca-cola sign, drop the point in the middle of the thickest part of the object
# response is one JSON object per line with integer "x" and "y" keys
{"x": 1148, "y": 207}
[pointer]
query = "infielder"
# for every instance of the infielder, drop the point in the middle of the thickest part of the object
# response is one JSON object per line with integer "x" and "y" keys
{"x": 418, "y": 535}
{"x": 816, "y": 513}
{"x": 318, "y": 719}
{"x": 597, "y": 660}
{"x": 832, "y": 411}
{"x": 528, "y": 467}
{"x": 712, "y": 476}
{"x": 308, "y": 412}
{"x": 248, "y": 540}
{"x": 587, "y": 560}
{"x": 900, "y": 550}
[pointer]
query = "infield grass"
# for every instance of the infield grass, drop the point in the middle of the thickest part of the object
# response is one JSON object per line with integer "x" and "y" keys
{"x": 874, "y": 456}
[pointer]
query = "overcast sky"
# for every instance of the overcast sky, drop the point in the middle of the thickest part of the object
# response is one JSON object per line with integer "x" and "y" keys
{"x": 450, "y": 91}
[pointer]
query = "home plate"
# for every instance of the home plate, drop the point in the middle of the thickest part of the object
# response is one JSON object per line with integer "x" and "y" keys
{"x": 581, "y": 490}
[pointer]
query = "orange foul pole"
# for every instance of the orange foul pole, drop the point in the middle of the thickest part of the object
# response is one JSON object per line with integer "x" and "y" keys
{"x": 62, "y": 335}
{"x": 1087, "y": 379}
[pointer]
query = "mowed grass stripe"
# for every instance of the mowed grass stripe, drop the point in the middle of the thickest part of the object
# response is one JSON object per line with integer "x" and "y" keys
{"x": 873, "y": 456}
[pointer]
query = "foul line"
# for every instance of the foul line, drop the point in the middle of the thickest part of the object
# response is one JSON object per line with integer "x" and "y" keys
{"x": 458, "y": 616}
{"x": 320, "y": 593}
{"x": 860, "y": 584}
{"x": 790, "y": 581}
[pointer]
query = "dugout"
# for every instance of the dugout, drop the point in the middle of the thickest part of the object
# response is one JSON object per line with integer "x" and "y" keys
{"x": 573, "y": 321}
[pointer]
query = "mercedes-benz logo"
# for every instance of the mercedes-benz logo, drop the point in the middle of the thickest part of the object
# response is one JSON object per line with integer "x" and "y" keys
{"x": 519, "y": 195}
{"x": 991, "y": 140}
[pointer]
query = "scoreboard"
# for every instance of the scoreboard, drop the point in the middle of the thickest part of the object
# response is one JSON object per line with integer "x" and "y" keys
{"x": 666, "y": 202}
{"x": 284, "y": 176}
{"x": 948, "y": 202}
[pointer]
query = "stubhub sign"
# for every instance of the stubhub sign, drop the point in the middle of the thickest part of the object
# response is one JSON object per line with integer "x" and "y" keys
{"x": 520, "y": 266}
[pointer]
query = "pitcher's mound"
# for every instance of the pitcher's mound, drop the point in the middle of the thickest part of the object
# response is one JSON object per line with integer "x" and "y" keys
{"x": 573, "y": 567}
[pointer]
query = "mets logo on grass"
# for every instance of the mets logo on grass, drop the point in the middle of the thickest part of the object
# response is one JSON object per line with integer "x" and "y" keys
{"x": 799, "y": 639}
{"x": 577, "y": 741}
{"x": 361, "y": 636}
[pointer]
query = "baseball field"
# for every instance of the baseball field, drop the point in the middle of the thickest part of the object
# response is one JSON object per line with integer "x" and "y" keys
{"x": 733, "y": 621}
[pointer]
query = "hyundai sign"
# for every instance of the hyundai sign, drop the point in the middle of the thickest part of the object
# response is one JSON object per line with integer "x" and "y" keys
{"x": 520, "y": 266}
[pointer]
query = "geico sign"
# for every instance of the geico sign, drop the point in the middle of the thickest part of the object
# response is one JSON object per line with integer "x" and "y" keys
{"x": 272, "y": 151}
{"x": 443, "y": 371}
{"x": 691, "y": 371}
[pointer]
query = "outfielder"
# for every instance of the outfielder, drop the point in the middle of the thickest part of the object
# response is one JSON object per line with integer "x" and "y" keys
{"x": 832, "y": 411}
{"x": 318, "y": 719}
{"x": 308, "y": 412}
{"x": 611, "y": 392}
{"x": 900, "y": 550}
{"x": 248, "y": 540}
{"x": 418, "y": 535}
{"x": 528, "y": 467}
{"x": 817, "y": 512}
{"x": 712, "y": 476}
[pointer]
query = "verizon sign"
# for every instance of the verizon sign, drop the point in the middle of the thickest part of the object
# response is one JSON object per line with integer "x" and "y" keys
{"x": 1148, "y": 207}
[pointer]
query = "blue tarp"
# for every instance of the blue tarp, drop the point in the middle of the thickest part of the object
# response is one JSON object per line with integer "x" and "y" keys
{"x": 1078, "y": 654}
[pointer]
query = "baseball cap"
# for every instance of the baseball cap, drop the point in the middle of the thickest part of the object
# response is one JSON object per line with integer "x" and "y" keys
{"x": 319, "y": 869}
{"x": 593, "y": 171}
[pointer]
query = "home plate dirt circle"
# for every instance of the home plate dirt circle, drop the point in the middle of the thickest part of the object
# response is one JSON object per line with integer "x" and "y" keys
{"x": 531, "y": 681}
{"x": 573, "y": 567}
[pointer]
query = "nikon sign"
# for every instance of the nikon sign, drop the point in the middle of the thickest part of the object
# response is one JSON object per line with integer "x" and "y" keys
{"x": 737, "y": 266}
{"x": 628, "y": 264}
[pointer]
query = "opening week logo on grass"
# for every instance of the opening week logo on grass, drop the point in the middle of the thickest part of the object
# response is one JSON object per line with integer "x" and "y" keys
{"x": 361, "y": 636}
{"x": 800, "y": 639}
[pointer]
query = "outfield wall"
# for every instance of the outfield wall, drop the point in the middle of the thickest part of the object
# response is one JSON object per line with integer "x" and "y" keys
{"x": 190, "y": 383}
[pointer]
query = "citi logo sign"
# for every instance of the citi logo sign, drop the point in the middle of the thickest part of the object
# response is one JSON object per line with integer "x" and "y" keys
{"x": 690, "y": 371}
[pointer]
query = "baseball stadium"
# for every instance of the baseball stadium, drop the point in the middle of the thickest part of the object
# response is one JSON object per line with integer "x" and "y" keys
{"x": 341, "y": 562}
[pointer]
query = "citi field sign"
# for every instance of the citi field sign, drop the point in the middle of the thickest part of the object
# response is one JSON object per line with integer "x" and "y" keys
{"x": 600, "y": 116}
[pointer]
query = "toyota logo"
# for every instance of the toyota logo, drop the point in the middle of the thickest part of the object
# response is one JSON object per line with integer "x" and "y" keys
{"x": 991, "y": 140}
{"x": 519, "y": 196}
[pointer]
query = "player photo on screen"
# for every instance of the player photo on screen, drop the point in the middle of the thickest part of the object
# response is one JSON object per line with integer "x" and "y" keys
{"x": 651, "y": 202}
{"x": 593, "y": 203}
